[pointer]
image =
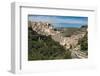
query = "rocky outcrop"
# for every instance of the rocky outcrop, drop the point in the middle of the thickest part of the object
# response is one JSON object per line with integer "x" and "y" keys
{"x": 67, "y": 42}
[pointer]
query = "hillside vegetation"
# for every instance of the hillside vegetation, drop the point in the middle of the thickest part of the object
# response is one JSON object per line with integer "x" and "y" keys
{"x": 41, "y": 47}
{"x": 84, "y": 43}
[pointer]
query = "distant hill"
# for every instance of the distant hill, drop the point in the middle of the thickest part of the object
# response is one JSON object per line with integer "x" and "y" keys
{"x": 69, "y": 31}
{"x": 84, "y": 26}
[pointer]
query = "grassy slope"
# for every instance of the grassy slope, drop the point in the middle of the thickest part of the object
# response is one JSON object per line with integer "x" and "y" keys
{"x": 42, "y": 47}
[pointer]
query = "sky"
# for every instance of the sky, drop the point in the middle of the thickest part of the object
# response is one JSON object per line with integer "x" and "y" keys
{"x": 60, "y": 21}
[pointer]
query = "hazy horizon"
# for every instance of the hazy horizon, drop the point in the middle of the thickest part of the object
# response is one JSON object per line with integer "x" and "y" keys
{"x": 60, "y": 21}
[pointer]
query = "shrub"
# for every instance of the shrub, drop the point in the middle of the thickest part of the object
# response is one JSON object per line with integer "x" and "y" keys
{"x": 84, "y": 43}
